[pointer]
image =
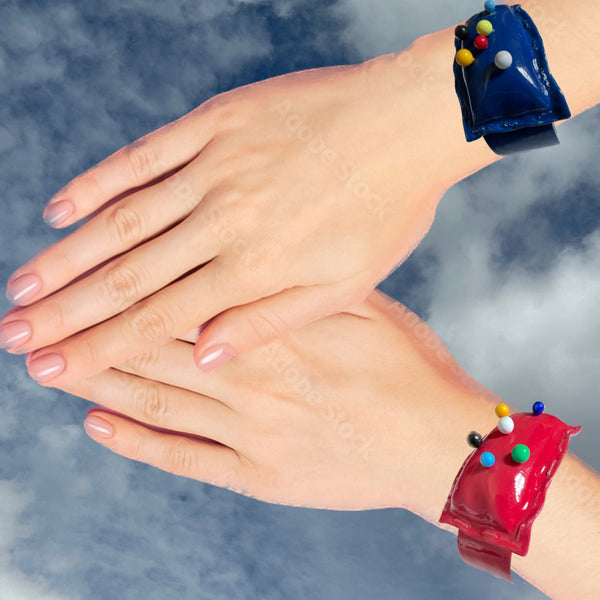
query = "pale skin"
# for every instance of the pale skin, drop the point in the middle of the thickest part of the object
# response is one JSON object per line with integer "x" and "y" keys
{"x": 291, "y": 224}
{"x": 360, "y": 410}
{"x": 243, "y": 176}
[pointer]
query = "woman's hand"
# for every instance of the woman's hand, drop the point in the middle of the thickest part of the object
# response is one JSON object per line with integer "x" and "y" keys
{"x": 267, "y": 207}
{"x": 359, "y": 410}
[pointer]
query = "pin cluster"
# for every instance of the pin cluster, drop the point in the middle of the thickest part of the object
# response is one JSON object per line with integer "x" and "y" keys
{"x": 464, "y": 57}
{"x": 520, "y": 452}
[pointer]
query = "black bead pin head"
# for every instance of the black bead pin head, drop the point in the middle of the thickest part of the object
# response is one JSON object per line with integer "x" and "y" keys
{"x": 461, "y": 32}
{"x": 474, "y": 439}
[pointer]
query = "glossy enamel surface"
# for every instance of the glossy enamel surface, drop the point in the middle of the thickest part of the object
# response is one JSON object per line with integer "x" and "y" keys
{"x": 499, "y": 504}
{"x": 522, "y": 95}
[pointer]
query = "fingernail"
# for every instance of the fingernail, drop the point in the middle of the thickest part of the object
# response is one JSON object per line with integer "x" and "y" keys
{"x": 23, "y": 288}
{"x": 97, "y": 427}
{"x": 215, "y": 357}
{"x": 14, "y": 334}
{"x": 46, "y": 367}
{"x": 57, "y": 213}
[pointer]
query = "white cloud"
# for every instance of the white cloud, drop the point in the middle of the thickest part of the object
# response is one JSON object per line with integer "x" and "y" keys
{"x": 529, "y": 329}
{"x": 76, "y": 86}
{"x": 15, "y": 498}
{"x": 382, "y": 26}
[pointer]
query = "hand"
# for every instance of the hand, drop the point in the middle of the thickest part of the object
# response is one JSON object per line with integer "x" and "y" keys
{"x": 359, "y": 410}
{"x": 237, "y": 215}
{"x": 342, "y": 414}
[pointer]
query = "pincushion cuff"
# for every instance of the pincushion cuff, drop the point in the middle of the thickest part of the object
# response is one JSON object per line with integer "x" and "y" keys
{"x": 503, "y": 81}
{"x": 495, "y": 502}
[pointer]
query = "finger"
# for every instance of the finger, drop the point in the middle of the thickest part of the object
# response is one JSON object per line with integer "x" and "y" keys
{"x": 145, "y": 326}
{"x": 116, "y": 286}
{"x": 114, "y": 231}
{"x": 191, "y": 335}
{"x": 142, "y": 161}
{"x": 173, "y": 364}
{"x": 246, "y": 327}
{"x": 125, "y": 225}
{"x": 200, "y": 459}
{"x": 160, "y": 405}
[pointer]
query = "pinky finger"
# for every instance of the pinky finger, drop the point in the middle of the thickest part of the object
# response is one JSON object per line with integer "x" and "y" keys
{"x": 194, "y": 457}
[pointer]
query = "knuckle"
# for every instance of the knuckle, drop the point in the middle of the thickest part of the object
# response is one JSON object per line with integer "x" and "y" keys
{"x": 141, "y": 160}
{"x": 218, "y": 212}
{"x": 144, "y": 362}
{"x": 266, "y": 325}
{"x": 91, "y": 350}
{"x": 151, "y": 325}
{"x": 181, "y": 457}
{"x": 123, "y": 285}
{"x": 89, "y": 182}
{"x": 55, "y": 315}
{"x": 183, "y": 188}
{"x": 150, "y": 400}
{"x": 126, "y": 225}
{"x": 227, "y": 113}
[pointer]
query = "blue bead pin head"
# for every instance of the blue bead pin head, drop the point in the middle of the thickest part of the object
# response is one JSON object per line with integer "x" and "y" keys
{"x": 537, "y": 409}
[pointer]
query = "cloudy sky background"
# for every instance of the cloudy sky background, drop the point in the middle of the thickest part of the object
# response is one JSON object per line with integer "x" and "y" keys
{"x": 508, "y": 276}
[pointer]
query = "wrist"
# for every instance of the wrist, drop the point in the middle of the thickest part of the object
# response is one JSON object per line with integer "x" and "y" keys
{"x": 423, "y": 72}
{"x": 563, "y": 555}
{"x": 433, "y": 405}
{"x": 464, "y": 405}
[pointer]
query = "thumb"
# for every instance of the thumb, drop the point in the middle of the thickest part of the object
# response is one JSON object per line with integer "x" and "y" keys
{"x": 243, "y": 328}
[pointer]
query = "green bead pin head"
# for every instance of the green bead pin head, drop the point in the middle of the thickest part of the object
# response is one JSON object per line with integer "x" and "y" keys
{"x": 520, "y": 453}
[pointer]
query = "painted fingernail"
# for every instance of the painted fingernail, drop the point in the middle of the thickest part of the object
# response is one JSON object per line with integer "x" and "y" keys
{"x": 14, "y": 334}
{"x": 46, "y": 367}
{"x": 23, "y": 288}
{"x": 56, "y": 214}
{"x": 97, "y": 427}
{"x": 215, "y": 357}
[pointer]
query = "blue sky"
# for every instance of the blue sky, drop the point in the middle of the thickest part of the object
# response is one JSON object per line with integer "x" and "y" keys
{"x": 508, "y": 276}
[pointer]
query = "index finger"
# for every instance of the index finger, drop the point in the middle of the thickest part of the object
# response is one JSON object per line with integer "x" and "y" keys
{"x": 137, "y": 164}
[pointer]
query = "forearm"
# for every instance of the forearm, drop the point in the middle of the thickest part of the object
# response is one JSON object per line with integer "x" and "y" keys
{"x": 427, "y": 64}
{"x": 565, "y": 545}
{"x": 564, "y": 554}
